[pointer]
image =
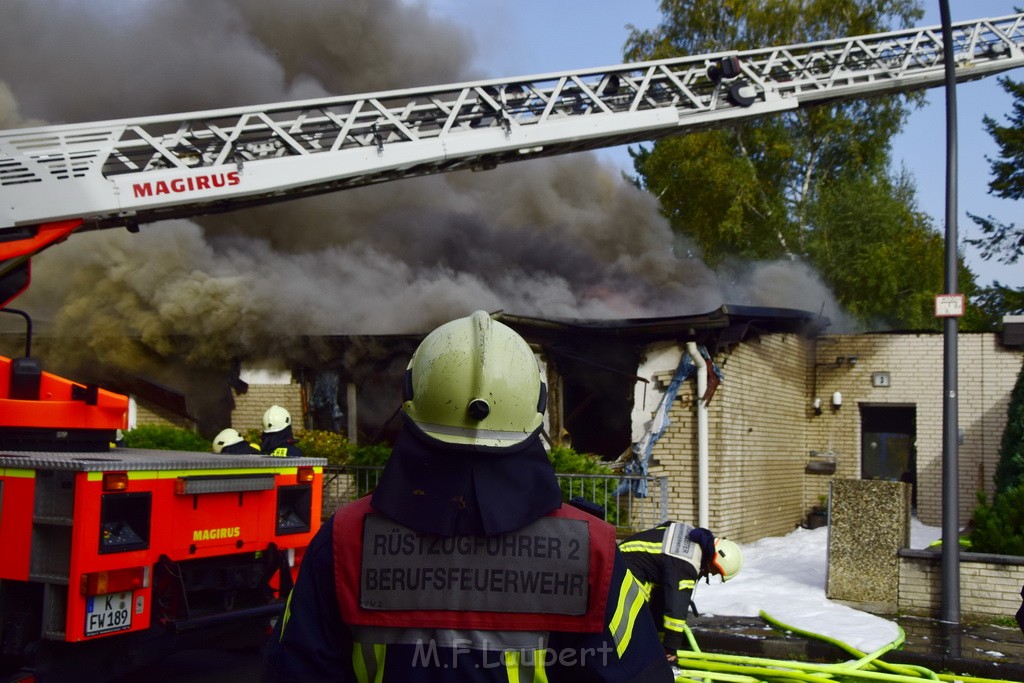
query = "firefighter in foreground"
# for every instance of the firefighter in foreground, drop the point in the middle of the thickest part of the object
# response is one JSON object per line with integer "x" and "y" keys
{"x": 668, "y": 561}
{"x": 277, "y": 439}
{"x": 464, "y": 564}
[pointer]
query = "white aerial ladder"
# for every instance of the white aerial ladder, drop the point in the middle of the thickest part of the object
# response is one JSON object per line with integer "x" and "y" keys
{"x": 57, "y": 179}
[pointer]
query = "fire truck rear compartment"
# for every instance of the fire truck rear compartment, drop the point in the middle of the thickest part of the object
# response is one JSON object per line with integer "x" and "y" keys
{"x": 190, "y": 593}
{"x": 189, "y": 542}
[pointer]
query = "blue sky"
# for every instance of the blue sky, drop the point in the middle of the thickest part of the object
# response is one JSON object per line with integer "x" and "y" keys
{"x": 538, "y": 36}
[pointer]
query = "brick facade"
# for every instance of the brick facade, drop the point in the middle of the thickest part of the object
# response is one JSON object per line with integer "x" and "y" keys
{"x": 148, "y": 414}
{"x": 248, "y": 411}
{"x": 250, "y": 406}
{"x": 763, "y": 428}
{"x": 987, "y": 373}
{"x": 756, "y": 444}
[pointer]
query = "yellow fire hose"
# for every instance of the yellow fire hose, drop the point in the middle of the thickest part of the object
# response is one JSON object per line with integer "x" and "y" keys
{"x": 708, "y": 667}
{"x": 863, "y": 659}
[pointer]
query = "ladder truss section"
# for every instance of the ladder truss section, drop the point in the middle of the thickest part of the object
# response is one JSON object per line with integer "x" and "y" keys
{"x": 130, "y": 171}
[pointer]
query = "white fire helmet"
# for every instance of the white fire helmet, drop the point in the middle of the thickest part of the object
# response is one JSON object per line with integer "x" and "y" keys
{"x": 276, "y": 418}
{"x": 227, "y": 437}
{"x": 728, "y": 559}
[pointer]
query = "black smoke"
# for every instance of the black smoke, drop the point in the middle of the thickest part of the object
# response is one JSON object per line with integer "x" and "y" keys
{"x": 563, "y": 237}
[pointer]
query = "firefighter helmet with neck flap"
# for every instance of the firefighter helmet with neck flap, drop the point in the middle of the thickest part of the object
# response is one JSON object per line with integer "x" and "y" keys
{"x": 475, "y": 382}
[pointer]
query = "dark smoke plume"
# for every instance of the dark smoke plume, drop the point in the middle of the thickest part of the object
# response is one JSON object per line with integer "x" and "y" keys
{"x": 563, "y": 237}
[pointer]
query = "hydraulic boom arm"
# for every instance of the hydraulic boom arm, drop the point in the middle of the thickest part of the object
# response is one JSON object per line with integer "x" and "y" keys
{"x": 126, "y": 172}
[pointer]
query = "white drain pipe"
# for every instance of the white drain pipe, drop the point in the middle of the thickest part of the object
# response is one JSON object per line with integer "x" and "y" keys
{"x": 702, "y": 435}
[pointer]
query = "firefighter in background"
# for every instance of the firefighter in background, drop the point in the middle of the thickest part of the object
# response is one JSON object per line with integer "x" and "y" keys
{"x": 277, "y": 437}
{"x": 1020, "y": 612}
{"x": 230, "y": 442}
{"x": 463, "y": 564}
{"x": 668, "y": 561}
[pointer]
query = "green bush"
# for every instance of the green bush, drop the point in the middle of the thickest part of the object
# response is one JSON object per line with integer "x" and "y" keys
{"x": 316, "y": 443}
{"x": 253, "y": 436}
{"x": 374, "y": 455}
{"x": 999, "y": 527}
{"x": 319, "y": 443}
{"x": 166, "y": 438}
{"x": 564, "y": 460}
{"x": 567, "y": 461}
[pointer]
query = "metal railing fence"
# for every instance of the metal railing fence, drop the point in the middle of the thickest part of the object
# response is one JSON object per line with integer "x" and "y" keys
{"x": 627, "y": 512}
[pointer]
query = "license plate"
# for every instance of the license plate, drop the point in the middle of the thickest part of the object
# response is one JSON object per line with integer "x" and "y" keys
{"x": 108, "y": 613}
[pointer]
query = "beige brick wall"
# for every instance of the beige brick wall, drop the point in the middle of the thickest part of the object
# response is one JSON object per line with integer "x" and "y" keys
{"x": 762, "y": 426}
{"x": 146, "y": 414}
{"x": 250, "y": 406}
{"x": 756, "y": 443}
{"x": 987, "y": 588}
{"x": 248, "y": 412}
{"x": 987, "y": 372}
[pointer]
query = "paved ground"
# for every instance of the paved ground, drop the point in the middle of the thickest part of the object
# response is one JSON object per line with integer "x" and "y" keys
{"x": 984, "y": 651}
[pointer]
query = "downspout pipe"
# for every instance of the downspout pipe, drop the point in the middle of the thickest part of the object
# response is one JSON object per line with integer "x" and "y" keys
{"x": 702, "y": 435}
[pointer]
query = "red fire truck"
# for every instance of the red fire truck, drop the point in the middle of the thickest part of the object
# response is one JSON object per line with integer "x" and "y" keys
{"x": 115, "y": 556}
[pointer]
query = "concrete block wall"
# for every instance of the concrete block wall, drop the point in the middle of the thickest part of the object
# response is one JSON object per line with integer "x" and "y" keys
{"x": 869, "y": 524}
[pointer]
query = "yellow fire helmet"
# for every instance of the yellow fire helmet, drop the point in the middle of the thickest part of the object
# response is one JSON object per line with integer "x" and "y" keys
{"x": 475, "y": 382}
{"x": 728, "y": 558}
{"x": 227, "y": 437}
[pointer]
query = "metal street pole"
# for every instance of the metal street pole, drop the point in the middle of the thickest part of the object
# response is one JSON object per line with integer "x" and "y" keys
{"x": 950, "y": 612}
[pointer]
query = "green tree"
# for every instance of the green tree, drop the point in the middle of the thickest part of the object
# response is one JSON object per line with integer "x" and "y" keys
{"x": 1001, "y": 241}
{"x": 814, "y": 184}
{"x": 878, "y": 254}
{"x": 1005, "y": 242}
{"x": 1010, "y": 469}
{"x": 995, "y": 301}
{"x": 999, "y": 526}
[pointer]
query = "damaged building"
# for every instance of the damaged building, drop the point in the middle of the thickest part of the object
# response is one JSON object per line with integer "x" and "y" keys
{"x": 786, "y": 407}
{"x": 748, "y": 445}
